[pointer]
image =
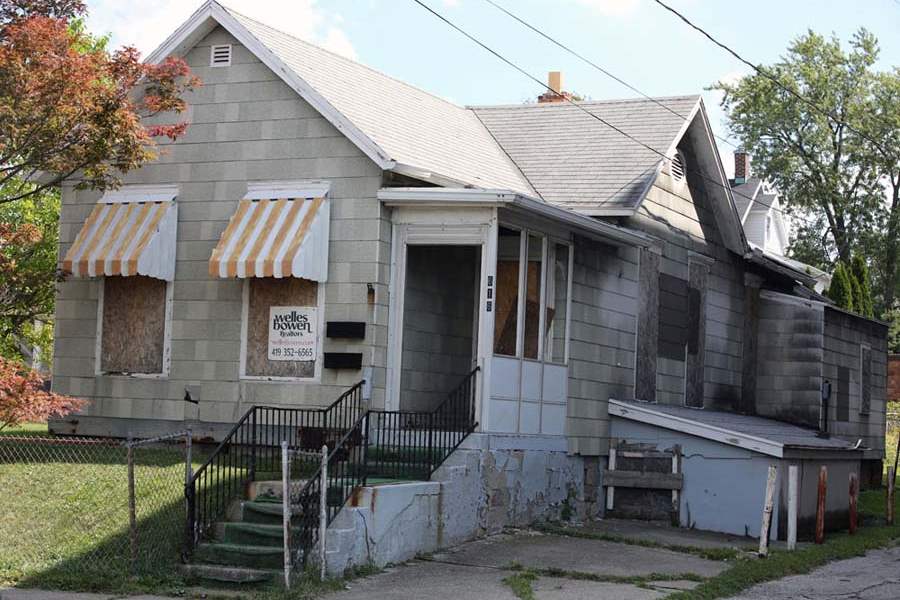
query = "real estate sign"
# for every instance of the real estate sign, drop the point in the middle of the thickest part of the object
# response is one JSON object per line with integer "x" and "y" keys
{"x": 292, "y": 333}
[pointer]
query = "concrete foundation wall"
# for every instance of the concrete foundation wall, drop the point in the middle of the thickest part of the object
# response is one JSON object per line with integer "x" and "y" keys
{"x": 491, "y": 483}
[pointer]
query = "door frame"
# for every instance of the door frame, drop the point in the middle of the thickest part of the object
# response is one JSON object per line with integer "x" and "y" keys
{"x": 439, "y": 228}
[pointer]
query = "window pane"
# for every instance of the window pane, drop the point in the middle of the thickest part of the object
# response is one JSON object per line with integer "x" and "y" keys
{"x": 134, "y": 324}
{"x": 533, "y": 295}
{"x": 506, "y": 304}
{"x": 557, "y": 303}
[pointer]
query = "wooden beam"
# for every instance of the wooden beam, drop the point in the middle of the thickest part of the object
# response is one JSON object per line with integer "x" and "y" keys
{"x": 649, "y": 481}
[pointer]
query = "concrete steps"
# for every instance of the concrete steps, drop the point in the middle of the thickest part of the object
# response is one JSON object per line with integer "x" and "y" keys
{"x": 228, "y": 574}
{"x": 240, "y": 555}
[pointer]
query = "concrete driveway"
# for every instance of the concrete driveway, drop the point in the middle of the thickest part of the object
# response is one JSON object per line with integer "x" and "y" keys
{"x": 557, "y": 567}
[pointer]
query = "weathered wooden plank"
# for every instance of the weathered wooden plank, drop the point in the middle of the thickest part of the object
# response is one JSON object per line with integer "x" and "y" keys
{"x": 649, "y": 481}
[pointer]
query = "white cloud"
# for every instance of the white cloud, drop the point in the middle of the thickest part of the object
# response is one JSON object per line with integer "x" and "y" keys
{"x": 451, "y": 3}
{"x": 146, "y": 24}
{"x": 612, "y": 8}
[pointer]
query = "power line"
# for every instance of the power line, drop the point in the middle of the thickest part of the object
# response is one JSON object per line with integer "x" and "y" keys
{"x": 580, "y": 106}
{"x": 772, "y": 78}
{"x": 593, "y": 64}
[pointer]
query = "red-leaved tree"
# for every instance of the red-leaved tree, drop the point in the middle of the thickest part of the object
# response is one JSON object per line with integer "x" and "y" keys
{"x": 69, "y": 106}
{"x": 23, "y": 398}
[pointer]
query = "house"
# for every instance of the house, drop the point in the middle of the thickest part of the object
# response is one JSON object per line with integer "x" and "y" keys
{"x": 482, "y": 281}
{"x": 763, "y": 217}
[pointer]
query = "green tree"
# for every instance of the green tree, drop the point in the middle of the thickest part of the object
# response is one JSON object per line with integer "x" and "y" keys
{"x": 863, "y": 296}
{"x": 830, "y": 165}
{"x": 841, "y": 289}
{"x": 29, "y": 234}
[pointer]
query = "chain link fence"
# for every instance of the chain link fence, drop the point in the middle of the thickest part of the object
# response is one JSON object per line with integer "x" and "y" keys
{"x": 892, "y": 434}
{"x": 82, "y": 509}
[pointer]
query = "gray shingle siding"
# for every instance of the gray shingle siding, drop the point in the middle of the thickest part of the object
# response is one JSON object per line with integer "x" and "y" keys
{"x": 246, "y": 125}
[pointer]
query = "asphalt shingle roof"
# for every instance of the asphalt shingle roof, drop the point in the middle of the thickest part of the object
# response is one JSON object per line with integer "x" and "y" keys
{"x": 554, "y": 151}
{"x": 412, "y": 126}
{"x": 792, "y": 436}
{"x": 576, "y": 161}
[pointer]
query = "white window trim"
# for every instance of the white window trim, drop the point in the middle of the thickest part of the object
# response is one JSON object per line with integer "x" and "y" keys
{"x": 551, "y": 266}
{"x": 167, "y": 337}
{"x": 546, "y": 241}
{"x": 301, "y": 188}
{"x": 140, "y": 193}
{"x": 320, "y": 354}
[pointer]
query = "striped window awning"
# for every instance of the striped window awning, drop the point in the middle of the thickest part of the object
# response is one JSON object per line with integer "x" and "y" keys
{"x": 125, "y": 235}
{"x": 275, "y": 237}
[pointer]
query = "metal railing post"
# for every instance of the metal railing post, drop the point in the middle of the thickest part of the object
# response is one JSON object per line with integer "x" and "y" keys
{"x": 286, "y": 511}
{"x": 252, "y": 469}
{"x": 323, "y": 511}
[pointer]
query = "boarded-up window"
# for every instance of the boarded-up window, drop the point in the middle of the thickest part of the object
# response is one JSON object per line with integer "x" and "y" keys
{"x": 865, "y": 380}
{"x": 266, "y": 293}
{"x": 507, "y": 295}
{"x": 134, "y": 325}
{"x": 673, "y": 316}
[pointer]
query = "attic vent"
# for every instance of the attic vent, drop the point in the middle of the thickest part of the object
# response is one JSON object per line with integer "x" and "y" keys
{"x": 677, "y": 167}
{"x": 220, "y": 56}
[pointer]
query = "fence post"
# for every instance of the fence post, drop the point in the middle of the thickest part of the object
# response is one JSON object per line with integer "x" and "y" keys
{"x": 820, "y": 504}
{"x": 854, "y": 492}
{"x": 132, "y": 512}
{"x": 323, "y": 511}
{"x": 286, "y": 511}
{"x": 889, "y": 509}
{"x": 188, "y": 495}
{"x": 767, "y": 512}
{"x": 793, "y": 501}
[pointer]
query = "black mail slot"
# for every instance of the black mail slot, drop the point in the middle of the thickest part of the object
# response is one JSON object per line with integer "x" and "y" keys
{"x": 355, "y": 330}
{"x": 343, "y": 360}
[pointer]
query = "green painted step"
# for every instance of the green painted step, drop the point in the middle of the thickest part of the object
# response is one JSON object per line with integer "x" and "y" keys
{"x": 226, "y": 574}
{"x": 252, "y": 534}
{"x": 262, "y": 512}
{"x": 238, "y": 555}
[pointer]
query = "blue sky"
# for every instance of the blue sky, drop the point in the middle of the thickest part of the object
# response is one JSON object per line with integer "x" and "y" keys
{"x": 635, "y": 39}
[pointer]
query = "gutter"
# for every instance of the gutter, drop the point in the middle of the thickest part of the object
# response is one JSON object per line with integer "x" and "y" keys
{"x": 457, "y": 197}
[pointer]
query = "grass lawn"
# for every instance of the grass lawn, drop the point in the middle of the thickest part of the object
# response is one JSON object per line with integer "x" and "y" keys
{"x": 873, "y": 533}
{"x": 26, "y": 429}
{"x": 64, "y": 523}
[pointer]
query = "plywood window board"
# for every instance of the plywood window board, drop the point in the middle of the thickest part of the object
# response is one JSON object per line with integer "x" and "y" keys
{"x": 133, "y": 327}
{"x": 264, "y": 293}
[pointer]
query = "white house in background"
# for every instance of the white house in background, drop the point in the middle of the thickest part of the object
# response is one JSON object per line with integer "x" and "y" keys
{"x": 765, "y": 225}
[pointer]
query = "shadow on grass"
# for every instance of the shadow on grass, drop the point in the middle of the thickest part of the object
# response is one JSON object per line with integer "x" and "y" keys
{"x": 69, "y": 526}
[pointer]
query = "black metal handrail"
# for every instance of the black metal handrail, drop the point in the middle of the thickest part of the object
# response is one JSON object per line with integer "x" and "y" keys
{"x": 412, "y": 445}
{"x": 345, "y": 472}
{"x": 391, "y": 444}
{"x": 252, "y": 447}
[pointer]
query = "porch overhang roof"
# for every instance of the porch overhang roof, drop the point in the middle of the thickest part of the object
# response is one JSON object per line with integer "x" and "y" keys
{"x": 470, "y": 197}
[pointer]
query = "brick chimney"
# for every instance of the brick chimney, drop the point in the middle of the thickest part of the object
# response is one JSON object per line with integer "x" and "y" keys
{"x": 741, "y": 166}
{"x": 555, "y": 83}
